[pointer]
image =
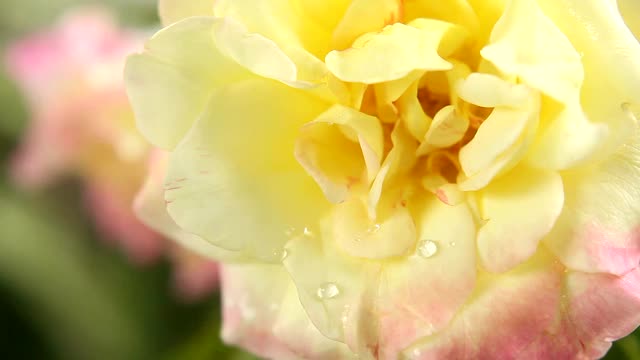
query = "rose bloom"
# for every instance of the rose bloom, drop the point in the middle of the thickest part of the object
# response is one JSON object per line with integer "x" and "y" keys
{"x": 404, "y": 179}
{"x": 83, "y": 125}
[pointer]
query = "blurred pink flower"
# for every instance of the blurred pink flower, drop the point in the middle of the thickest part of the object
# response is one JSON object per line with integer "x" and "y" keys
{"x": 82, "y": 124}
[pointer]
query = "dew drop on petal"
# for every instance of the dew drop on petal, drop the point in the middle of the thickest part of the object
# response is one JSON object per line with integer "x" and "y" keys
{"x": 452, "y": 244}
{"x": 307, "y": 232}
{"x": 416, "y": 352}
{"x": 373, "y": 228}
{"x": 327, "y": 291}
{"x": 427, "y": 248}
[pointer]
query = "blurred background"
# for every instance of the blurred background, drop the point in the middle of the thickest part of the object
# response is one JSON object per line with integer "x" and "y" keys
{"x": 67, "y": 291}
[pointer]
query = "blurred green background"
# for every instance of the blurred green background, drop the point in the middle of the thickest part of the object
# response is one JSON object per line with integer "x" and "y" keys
{"x": 66, "y": 295}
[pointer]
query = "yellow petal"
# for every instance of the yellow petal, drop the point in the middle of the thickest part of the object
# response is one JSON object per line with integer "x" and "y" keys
{"x": 398, "y": 162}
{"x": 340, "y": 148}
{"x": 447, "y": 128}
{"x": 500, "y": 131}
{"x": 599, "y": 34}
{"x": 568, "y": 140}
{"x": 253, "y": 51}
{"x": 171, "y": 11}
{"x": 286, "y": 26}
{"x": 392, "y": 53}
{"x": 234, "y": 181}
{"x": 149, "y": 206}
{"x": 630, "y": 10}
{"x": 457, "y": 12}
{"x": 473, "y": 90}
{"x": 411, "y": 112}
{"x": 364, "y": 16}
{"x": 392, "y": 233}
{"x": 170, "y": 83}
{"x": 528, "y": 45}
{"x": 519, "y": 209}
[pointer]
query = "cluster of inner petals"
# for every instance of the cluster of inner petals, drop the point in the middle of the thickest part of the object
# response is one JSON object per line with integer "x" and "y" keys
{"x": 409, "y": 122}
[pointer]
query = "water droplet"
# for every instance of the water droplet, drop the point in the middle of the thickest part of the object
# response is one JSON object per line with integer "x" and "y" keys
{"x": 452, "y": 243}
{"x": 373, "y": 228}
{"x": 416, "y": 352}
{"x": 427, "y": 248}
{"x": 307, "y": 232}
{"x": 280, "y": 254}
{"x": 327, "y": 291}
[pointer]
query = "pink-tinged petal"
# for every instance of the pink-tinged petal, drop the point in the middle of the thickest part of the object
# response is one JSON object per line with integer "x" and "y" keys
{"x": 596, "y": 310}
{"x": 504, "y": 315}
{"x": 419, "y": 295}
{"x": 115, "y": 219}
{"x": 599, "y": 227}
{"x": 84, "y": 44}
{"x": 338, "y": 292}
{"x": 262, "y": 313}
{"x": 46, "y": 151}
{"x": 194, "y": 277}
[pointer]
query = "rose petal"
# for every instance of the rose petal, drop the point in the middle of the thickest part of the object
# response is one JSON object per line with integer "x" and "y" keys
{"x": 597, "y": 309}
{"x": 280, "y": 30}
{"x": 527, "y": 44}
{"x": 419, "y": 295}
{"x": 150, "y": 207}
{"x": 262, "y": 313}
{"x": 505, "y": 314}
{"x": 170, "y": 83}
{"x": 399, "y": 50}
{"x": 511, "y": 234}
{"x": 630, "y": 11}
{"x": 599, "y": 228}
{"x": 234, "y": 180}
{"x": 363, "y": 16}
{"x": 339, "y": 149}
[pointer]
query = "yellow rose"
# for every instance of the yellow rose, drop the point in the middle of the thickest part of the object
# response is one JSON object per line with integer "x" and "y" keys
{"x": 405, "y": 179}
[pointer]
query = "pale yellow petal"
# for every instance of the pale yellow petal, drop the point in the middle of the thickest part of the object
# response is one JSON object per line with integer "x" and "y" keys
{"x": 339, "y": 149}
{"x": 392, "y": 53}
{"x": 599, "y": 34}
{"x": 447, "y": 128}
{"x": 253, "y": 51}
{"x": 473, "y": 90}
{"x": 285, "y": 27}
{"x": 411, "y": 112}
{"x": 364, "y": 16}
{"x": 518, "y": 210}
{"x": 568, "y": 139}
{"x": 234, "y": 181}
{"x": 391, "y": 234}
{"x": 171, "y": 82}
{"x": 630, "y": 10}
{"x": 499, "y": 132}
{"x": 526, "y": 44}
{"x": 150, "y": 207}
